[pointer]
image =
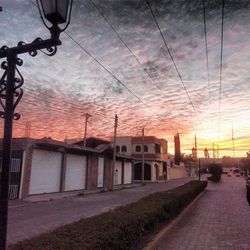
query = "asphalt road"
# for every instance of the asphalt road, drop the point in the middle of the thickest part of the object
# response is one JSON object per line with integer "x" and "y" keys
{"x": 30, "y": 219}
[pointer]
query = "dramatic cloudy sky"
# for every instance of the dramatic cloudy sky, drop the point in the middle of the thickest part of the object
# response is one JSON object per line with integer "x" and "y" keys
{"x": 145, "y": 89}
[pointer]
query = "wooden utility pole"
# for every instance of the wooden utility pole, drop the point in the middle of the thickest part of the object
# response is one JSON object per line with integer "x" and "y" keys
{"x": 87, "y": 116}
{"x": 114, "y": 153}
{"x": 27, "y": 129}
{"x": 199, "y": 169}
{"x": 142, "y": 172}
{"x": 196, "y": 153}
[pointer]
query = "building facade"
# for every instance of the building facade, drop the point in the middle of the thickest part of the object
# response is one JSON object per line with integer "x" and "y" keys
{"x": 156, "y": 159}
{"x": 50, "y": 166}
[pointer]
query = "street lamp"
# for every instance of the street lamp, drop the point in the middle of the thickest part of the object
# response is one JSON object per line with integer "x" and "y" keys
{"x": 55, "y": 15}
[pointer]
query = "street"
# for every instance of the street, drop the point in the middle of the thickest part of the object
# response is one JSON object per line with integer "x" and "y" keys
{"x": 29, "y": 219}
{"x": 220, "y": 219}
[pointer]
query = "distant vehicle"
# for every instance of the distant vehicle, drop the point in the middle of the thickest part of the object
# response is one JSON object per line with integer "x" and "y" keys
{"x": 248, "y": 182}
{"x": 234, "y": 172}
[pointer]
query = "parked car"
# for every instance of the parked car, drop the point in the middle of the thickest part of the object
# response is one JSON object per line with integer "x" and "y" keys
{"x": 230, "y": 174}
{"x": 248, "y": 182}
{"x": 237, "y": 174}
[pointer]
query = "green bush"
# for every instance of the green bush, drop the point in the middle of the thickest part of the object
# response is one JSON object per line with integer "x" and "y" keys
{"x": 215, "y": 170}
{"x": 121, "y": 228}
{"x": 214, "y": 178}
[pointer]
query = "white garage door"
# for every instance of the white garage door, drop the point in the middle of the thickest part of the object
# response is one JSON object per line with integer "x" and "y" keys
{"x": 45, "y": 172}
{"x": 118, "y": 173}
{"x": 75, "y": 178}
{"x": 127, "y": 172}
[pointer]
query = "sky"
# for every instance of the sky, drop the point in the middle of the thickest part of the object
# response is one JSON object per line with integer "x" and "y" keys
{"x": 113, "y": 60}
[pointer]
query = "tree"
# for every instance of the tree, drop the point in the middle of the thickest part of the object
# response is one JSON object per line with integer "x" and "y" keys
{"x": 215, "y": 170}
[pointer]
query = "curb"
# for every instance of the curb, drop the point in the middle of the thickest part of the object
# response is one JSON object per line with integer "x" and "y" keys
{"x": 156, "y": 240}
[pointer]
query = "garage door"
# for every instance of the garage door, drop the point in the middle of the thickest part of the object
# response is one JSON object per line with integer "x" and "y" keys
{"x": 45, "y": 172}
{"x": 127, "y": 172}
{"x": 118, "y": 173}
{"x": 75, "y": 178}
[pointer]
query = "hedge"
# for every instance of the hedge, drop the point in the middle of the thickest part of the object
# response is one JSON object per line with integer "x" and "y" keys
{"x": 121, "y": 228}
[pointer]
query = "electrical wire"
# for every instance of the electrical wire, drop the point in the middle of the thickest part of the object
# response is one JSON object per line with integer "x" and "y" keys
{"x": 170, "y": 54}
{"x": 221, "y": 62}
{"x": 172, "y": 59}
{"x": 206, "y": 44}
{"x": 128, "y": 48}
{"x": 110, "y": 73}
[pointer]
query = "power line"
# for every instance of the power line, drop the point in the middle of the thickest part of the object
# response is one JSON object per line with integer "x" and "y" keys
{"x": 205, "y": 35}
{"x": 85, "y": 50}
{"x": 125, "y": 44}
{"x": 221, "y": 59}
{"x": 170, "y": 54}
{"x": 105, "y": 68}
{"x": 109, "y": 72}
{"x": 172, "y": 58}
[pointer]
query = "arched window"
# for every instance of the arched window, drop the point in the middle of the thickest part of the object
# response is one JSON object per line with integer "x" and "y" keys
{"x": 117, "y": 149}
{"x": 138, "y": 148}
{"x": 124, "y": 149}
{"x": 145, "y": 148}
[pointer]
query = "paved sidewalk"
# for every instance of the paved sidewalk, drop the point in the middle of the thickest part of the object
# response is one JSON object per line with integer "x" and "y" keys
{"x": 220, "y": 219}
{"x": 28, "y": 219}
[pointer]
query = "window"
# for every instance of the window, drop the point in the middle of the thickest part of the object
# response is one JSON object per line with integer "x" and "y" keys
{"x": 117, "y": 149}
{"x": 145, "y": 148}
{"x": 138, "y": 148}
{"x": 124, "y": 149}
{"x": 157, "y": 148}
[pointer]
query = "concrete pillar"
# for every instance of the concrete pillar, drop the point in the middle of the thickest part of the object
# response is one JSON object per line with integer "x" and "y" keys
{"x": 63, "y": 172}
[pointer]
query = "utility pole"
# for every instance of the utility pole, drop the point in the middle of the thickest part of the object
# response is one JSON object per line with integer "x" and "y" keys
{"x": 195, "y": 148}
{"x": 27, "y": 129}
{"x": 87, "y": 116}
{"x": 142, "y": 172}
{"x": 199, "y": 169}
{"x": 196, "y": 154}
{"x": 114, "y": 153}
{"x": 213, "y": 151}
{"x": 233, "y": 142}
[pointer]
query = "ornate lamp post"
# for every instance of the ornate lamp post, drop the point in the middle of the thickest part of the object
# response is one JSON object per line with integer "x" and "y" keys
{"x": 55, "y": 15}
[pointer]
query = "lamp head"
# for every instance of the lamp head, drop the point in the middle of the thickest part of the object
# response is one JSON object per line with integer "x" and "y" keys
{"x": 55, "y": 12}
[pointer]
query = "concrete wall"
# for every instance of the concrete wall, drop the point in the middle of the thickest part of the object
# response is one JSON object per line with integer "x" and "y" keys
{"x": 176, "y": 172}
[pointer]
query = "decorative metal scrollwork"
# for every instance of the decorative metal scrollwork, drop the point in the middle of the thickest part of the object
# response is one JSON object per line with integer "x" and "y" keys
{"x": 18, "y": 81}
{"x": 50, "y": 51}
{"x": 17, "y": 91}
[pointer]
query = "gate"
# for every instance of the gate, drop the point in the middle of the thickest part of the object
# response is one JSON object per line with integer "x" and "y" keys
{"x": 15, "y": 177}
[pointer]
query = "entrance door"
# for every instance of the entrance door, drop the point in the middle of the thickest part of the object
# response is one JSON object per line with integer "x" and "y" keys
{"x": 15, "y": 177}
{"x": 100, "y": 172}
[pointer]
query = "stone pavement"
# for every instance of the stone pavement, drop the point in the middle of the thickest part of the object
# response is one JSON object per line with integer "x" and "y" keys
{"x": 220, "y": 219}
{"x": 28, "y": 219}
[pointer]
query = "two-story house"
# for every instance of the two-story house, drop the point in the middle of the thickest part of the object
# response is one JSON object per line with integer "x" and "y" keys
{"x": 155, "y": 156}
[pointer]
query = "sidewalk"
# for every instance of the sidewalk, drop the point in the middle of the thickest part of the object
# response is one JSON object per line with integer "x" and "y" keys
{"x": 220, "y": 219}
{"x": 27, "y": 219}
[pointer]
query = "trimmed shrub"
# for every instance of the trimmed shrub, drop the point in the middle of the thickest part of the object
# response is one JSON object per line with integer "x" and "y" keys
{"x": 121, "y": 228}
{"x": 215, "y": 170}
